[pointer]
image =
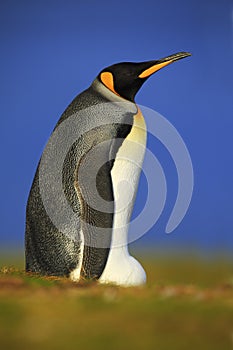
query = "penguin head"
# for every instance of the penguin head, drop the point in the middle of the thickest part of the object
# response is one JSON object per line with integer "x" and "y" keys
{"x": 125, "y": 79}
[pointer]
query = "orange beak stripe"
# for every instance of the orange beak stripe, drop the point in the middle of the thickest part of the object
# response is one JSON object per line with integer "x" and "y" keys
{"x": 154, "y": 69}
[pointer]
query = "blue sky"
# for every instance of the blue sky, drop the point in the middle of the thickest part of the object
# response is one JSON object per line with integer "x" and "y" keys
{"x": 52, "y": 50}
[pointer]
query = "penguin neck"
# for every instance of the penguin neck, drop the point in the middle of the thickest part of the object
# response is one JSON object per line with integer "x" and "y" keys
{"x": 111, "y": 97}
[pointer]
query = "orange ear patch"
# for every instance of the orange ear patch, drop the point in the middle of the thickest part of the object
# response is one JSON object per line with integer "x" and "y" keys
{"x": 107, "y": 80}
{"x": 154, "y": 69}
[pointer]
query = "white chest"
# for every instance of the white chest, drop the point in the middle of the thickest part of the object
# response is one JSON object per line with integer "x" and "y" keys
{"x": 121, "y": 268}
{"x": 126, "y": 171}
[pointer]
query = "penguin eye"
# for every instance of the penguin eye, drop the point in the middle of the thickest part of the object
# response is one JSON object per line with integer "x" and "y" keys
{"x": 108, "y": 81}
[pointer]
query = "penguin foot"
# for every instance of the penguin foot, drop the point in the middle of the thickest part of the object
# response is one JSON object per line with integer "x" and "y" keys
{"x": 128, "y": 274}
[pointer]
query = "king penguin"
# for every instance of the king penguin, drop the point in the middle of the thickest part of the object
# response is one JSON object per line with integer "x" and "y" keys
{"x": 95, "y": 246}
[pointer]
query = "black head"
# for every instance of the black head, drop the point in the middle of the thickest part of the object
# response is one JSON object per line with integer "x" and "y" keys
{"x": 125, "y": 79}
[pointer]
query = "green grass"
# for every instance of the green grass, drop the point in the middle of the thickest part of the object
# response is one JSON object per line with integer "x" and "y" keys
{"x": 187, "y": 304}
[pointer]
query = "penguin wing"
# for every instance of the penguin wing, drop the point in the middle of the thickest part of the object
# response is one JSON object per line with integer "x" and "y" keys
{"x": 88, "y": 188}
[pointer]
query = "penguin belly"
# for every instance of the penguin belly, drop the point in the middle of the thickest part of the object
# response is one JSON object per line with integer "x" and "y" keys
{"x": 121, "y": 268}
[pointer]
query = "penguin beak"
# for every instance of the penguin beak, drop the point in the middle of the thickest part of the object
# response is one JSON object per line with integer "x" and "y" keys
{"x": 157, "y": 65}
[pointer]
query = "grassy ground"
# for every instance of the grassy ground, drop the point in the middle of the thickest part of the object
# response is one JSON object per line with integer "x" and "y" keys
{"x": 187, "y": 304}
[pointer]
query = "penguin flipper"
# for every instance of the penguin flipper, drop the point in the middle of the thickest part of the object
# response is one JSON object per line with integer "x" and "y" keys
{"x": 94, "y": 189}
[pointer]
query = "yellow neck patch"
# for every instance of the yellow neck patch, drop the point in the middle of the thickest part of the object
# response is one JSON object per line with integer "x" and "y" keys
{"x": 107, "y": 80}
